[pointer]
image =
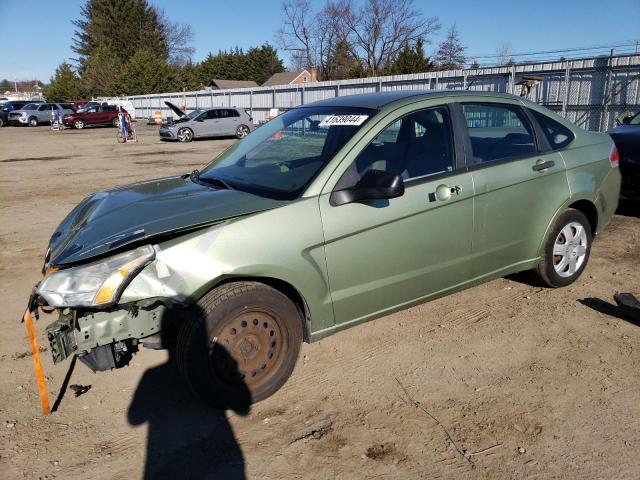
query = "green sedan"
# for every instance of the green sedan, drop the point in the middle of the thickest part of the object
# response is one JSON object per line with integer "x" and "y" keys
{"x": 330, "y": 215}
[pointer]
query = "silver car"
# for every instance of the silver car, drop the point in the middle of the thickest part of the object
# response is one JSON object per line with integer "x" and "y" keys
{"x": 213, "y": 122}
{"x": 34, "y": 114}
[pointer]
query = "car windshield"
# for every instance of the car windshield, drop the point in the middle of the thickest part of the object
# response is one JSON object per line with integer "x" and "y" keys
{"x": 30, "y": 106}
{"x": 282, "y": 157}
{"x": 635, "y": 120}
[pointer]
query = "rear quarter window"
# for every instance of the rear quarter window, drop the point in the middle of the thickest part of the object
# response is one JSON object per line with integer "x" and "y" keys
{"x": 557, "y": 134}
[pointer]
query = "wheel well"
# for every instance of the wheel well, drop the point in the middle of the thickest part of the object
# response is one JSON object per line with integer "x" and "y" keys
{"x": 288, "y": 291}
{"x": 590, "y": 211}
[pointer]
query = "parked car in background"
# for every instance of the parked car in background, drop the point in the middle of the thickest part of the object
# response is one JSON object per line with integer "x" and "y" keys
{"x": 627, "y": 139}
{"x": 213, "y": 122}
{"x": 95, "y": 115}
{"x": 8, "y": 107}
{"x": 330, "y": 215}
{"x": 34, "y": 114}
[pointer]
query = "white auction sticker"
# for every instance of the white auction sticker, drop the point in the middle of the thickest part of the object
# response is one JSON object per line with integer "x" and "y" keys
{"x": 343, "y": 120}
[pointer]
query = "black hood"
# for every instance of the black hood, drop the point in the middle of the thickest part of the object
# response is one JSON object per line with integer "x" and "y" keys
{"x": 108, "y": 220}
{"x": 176, "y": 110}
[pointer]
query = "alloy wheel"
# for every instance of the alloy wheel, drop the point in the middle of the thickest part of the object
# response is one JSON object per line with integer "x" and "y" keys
{"x": 185, "y": 135}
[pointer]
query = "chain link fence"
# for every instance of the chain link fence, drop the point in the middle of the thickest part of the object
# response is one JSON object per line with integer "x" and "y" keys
{"x": 591, "y": 92}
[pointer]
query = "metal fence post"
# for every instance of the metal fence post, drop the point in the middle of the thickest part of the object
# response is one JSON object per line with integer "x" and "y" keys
{"x": 251, "y": 103}
{"x": 606, "y": 100}
{"x": 565, "y": 99}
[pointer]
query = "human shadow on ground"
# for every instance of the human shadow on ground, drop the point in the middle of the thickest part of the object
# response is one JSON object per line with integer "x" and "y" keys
{"x": 613, "y": 310}
{"x": 186, "y": 438}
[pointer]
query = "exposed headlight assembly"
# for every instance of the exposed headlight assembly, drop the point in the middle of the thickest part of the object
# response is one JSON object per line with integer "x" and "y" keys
{"x": 95, "y": 284}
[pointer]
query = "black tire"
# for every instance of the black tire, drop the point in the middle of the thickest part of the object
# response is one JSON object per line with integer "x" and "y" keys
{"x": 547, "y": 269}
{"x": 1, "y": 123}
{"x": 33, "y": 122}
{"x": 240, "y": 344}
{"x": 116, "y": 122}
{"x": 242, "y": 131}
{"x": 184, "y": 135}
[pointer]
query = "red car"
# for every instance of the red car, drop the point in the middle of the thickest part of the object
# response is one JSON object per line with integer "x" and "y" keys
{"x": 95, "y": 115}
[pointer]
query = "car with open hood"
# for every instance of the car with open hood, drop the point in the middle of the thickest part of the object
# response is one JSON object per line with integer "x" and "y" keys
{"x": 332, "y": 214}
{"x": 203, "y": 123}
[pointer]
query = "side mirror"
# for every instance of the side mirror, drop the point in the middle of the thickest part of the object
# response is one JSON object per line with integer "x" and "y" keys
{"x": 374, "y": 185}
{"x": 199, "y": 119}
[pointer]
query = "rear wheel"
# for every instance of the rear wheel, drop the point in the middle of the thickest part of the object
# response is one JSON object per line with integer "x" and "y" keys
{"x": 1, "y": 123}
{"x": 242, "y": 131}
{"x": 33, "y": 122}
{"x": 566, "y": 250}
{"x": 116, "y": 122}
{"x": 241, "y": 344}
{"x": 79, "y": 124}
{"x": 185, "y": 135}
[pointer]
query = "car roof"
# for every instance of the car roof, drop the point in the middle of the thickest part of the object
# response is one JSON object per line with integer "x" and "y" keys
{"x": 379, "y": 100}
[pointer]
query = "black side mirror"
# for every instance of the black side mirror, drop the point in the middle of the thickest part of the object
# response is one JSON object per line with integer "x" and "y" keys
{"x": 374, "y": 185}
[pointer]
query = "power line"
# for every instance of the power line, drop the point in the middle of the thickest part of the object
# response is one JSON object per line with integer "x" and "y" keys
{"x": 622, "y": 43}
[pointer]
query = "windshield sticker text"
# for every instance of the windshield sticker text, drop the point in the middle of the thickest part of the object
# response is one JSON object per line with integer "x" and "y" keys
{"x": 343, "y": 120}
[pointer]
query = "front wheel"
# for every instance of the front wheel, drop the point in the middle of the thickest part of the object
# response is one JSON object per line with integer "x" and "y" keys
{"x": 566, "y": 250}
{"x": 185, "y": 135}
{"x": 116, "y": 122}
{"x": 240, "y": 344}
{"x": 33, "y": 122}
{"x": 242, "y": 131}
{"x": 79, "y": 124}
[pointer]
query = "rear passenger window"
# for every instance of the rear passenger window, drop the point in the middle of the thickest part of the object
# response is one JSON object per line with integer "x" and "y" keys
{"x": 498, "y": 132}
{"x": 417, "y": 145}
{"x": 233, "y": 113}
{"x": 558, "y": 135}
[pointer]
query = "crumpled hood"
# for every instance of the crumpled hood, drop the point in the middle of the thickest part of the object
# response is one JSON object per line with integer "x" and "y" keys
{"x": 110, "y": 219}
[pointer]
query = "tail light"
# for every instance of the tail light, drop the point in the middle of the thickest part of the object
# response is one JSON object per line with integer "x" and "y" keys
{"x": 614, "y": 157}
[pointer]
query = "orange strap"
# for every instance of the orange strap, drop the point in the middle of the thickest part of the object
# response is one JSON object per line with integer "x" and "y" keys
{"x": 31, "y": 330}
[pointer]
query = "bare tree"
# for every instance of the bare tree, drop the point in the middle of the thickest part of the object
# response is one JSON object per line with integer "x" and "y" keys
{"x": 379, "y": 29}
{"x": 371, "y": 33}
{"x": 504, "y": 55}
{"x": 178, "y": 36}
{"x": 309, "y": 37}
{"x": 450, "y": 53}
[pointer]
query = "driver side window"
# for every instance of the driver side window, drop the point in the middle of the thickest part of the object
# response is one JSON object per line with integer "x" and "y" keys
{"x": 414, "y": 146}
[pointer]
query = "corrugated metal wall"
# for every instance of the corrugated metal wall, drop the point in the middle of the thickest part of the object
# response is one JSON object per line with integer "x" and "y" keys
{"x": 590, "y": 92}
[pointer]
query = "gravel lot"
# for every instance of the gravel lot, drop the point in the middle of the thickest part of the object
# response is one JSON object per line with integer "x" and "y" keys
{"x": 527, "y": 382}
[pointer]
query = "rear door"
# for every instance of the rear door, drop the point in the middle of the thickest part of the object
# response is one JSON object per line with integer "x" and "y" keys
{"x": 386, "y": 254}
{"x": 519, "y": 185}
{"x": 228, "y": 121}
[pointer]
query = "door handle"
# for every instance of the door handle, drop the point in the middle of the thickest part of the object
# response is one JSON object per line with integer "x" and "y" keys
{"x": 444, "y": 192}
{"x": 541, "y": 166}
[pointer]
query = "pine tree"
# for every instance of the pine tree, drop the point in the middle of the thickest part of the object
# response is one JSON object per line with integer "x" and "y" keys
{"x": 410, "y": 60}
{"x": 450, "y": 54}
{"x": 144, "y": 73}
{"x": 123, "y": 27}
{"x": 340, "y": 63}
{"x": 100, "y": 70}
{"x": 5, "y": 85}
{"x": 261, "y": 63}
{"x": 64, "y": 85}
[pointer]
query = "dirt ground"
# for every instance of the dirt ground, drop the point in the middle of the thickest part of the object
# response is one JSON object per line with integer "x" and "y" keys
{"x": 527, "y": 382}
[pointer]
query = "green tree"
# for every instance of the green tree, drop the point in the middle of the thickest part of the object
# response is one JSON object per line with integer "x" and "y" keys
{"x": 64, "y": 85}
{"x": 100, "y": 70}
{"x": 410, "y": 60}
{"x": 5, "y": 85}
{"x": 262, "y": 62}
{"x": 122, "y": 27}
{"x": 341, "y": 63}
{"x": 144, "y": 73}
{"x": 187, "y": 77}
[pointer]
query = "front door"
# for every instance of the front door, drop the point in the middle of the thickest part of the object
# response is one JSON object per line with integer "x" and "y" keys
{"x": 386, "y": 254}
{"x": 518, "y": 186}
{"x": 206, "y": 124}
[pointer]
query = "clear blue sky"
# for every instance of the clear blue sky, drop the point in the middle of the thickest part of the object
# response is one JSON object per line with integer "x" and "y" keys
{"x": 36, "y": 34}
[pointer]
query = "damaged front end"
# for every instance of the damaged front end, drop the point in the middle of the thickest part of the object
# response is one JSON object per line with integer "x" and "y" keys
{"x": 107, "y": 339}
{"x": 97, "y": 321}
